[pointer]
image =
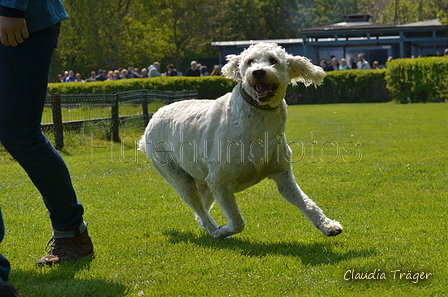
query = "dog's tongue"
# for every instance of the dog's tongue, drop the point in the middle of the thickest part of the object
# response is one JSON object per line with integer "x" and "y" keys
{"x": 262, "y": 89}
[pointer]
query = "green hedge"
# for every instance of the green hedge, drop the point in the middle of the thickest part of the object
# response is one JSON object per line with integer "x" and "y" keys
{"x": 208, "y": 87}
{"x": 405, "y": 80}
{"x": 339, "y": 86}
{"x": 348, "y": 86}
{"x": 418, "y": 80}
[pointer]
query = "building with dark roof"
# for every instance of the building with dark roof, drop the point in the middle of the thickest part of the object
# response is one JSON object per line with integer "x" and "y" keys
{"x": 358, "y": 35}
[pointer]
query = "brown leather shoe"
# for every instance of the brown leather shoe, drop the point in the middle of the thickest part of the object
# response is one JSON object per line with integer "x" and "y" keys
{"x": 69, "y": 248}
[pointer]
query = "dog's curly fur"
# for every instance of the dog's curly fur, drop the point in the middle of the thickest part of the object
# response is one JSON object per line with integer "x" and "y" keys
{"x": 207, "y": 150}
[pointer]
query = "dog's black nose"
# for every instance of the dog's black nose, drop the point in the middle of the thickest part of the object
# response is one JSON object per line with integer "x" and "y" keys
{"x": 259, "y": 74}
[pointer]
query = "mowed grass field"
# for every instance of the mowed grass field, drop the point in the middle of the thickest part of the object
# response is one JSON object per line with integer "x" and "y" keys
{"x": 379, "y": 169}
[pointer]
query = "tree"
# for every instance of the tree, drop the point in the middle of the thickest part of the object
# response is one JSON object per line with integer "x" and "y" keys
{"x": 100, "y": 35}
{"x": 121, "y": 33}
{"x": 443, "y": 17}
{"x": 400, "y": 12}
{"x": 183, "y": 26}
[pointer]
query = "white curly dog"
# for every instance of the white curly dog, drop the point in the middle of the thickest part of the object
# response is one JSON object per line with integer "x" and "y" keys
{"x": 208, "y": 150}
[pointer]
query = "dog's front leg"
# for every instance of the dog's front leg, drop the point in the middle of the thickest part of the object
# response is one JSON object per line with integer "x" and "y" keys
{"x": 289, "y": 189}
{"x": 226, "y": 201}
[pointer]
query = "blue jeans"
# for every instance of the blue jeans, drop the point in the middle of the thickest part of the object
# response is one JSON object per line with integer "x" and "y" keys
{"x": 23, "y": 88}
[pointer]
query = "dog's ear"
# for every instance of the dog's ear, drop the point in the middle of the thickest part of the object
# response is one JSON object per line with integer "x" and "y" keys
{"x": 231, "y": 69}
{"x": 301, "y": 69}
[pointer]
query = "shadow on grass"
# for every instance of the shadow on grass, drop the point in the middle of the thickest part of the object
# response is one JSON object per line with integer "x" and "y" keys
{"x": 60, "y": 280}
{"x": 311, "y": 254}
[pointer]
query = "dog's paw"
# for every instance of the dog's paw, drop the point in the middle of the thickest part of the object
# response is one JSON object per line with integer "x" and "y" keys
{"x": 222, "y": 232}
{"x": 330, "y": 228}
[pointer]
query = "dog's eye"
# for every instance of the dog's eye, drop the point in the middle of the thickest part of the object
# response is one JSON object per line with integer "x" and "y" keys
{"x": 250, "y": 62}
{"x": 273, "y": 61}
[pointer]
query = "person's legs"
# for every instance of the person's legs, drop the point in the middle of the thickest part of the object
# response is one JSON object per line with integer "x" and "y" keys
{"x": 23, "y": 85}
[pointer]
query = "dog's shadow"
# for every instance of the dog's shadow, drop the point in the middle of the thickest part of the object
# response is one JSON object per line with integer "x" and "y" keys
{"x": 310, "y": 254}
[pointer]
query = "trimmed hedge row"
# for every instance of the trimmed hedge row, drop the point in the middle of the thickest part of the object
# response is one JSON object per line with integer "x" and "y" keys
{"x": 339, "y": 86}
{"x": 404, "y": 80}
{"x": 208, "y": 87}
{"x": 418, "y": 80}
{"x": 348, "y": 86}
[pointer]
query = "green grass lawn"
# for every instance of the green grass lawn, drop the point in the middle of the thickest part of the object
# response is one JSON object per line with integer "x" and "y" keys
{"x": 379, "y": 169}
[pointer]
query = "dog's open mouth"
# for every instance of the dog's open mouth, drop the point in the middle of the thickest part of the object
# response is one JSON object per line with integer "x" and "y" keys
{"x": 264, "y": 91}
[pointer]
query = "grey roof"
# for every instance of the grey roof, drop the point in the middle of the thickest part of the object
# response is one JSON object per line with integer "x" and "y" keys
{"x": 242, "y": 43}
{"x": 430, "y": 23}
{"x": 355, "y": 26}
{"x": 348, "y": 26}
{"x": 360, "y": 22}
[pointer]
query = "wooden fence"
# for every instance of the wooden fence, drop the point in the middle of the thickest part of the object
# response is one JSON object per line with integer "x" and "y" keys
{"x": 60, "y": 103}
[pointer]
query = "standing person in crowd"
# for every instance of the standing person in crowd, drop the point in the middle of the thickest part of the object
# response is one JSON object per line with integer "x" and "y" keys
{"x": 144, "y": 73}
{"x": 204, "y": 71}
{"x": 193, "y": 71}
{"x": 92, "y": 76}
{"x": 70, "y": 77}
{"x": 29, "y": 32}
{"x": 120, "y": 70}
{"x": 375, "y": 65}
{"x": 344, "y": 65}
{"x": 117, "y": 75}
{"x": 130, "y": 73}
{"x": 390, "y": 58}
{"x": 65, "y": 76}
{"x": 171, "y": 71}
{"x": 137, "y": 73}
{"x": 334, "y": 66}
{"x": 60, "y": 78}
{"x": 362, "y": 63}
{"x": 324, "y": 65}
{"x": 101, "y": 75}
{"x": 216, "y": 70}
{"x": 78, "y": 77}
{"x": 110, "y": 75}
{"x": 153, "y": 70}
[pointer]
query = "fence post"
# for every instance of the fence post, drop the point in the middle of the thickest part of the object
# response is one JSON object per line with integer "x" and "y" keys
{"x": 115, "y": 118}
{"x": 145, "y": 107}
{"x": 57, "y": 121}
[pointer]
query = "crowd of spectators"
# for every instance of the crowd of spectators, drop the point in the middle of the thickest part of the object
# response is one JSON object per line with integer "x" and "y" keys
{"x": 362, "y": 64}
{"x": 153, "y": 70}
{"x": 197, "y": 69}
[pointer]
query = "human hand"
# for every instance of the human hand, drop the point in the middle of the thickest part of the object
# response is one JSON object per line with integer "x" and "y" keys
{"x": 12, "y": 31}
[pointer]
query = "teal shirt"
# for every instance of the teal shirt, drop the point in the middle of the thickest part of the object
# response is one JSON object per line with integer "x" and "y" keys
{"x": 39, "y": 14}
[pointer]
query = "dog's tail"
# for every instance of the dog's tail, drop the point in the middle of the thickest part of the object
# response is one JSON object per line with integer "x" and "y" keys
{"x": 142, "y": 143}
